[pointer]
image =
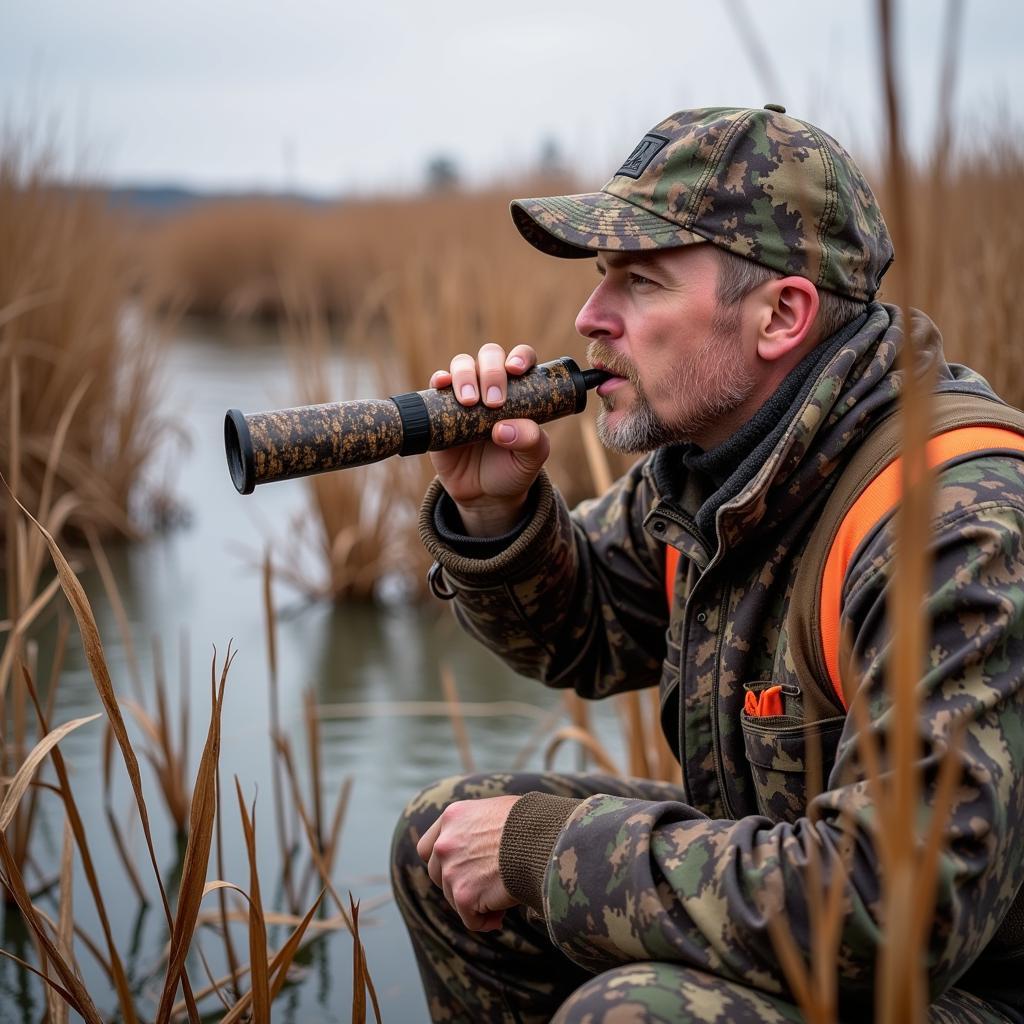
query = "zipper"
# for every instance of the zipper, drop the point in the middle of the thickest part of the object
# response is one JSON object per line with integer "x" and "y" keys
{"x": 716, "y": 738}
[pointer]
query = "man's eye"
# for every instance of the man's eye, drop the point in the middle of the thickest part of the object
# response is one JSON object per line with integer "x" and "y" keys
{"x": 639, "y": 279}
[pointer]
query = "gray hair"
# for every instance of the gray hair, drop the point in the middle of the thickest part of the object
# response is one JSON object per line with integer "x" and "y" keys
{"x": 738, "y": 276}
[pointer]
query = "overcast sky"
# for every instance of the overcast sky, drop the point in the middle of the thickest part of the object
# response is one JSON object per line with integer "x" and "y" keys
{"x": 334, "y": 97}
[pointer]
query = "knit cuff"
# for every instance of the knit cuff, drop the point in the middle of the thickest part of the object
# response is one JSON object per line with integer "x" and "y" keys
{"x": 531, "y": 831}
{"x": 527, "y": 549}
{"x": 451, "y": 530}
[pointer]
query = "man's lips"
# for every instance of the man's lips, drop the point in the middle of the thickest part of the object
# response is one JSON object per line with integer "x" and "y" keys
{"x": 616, "y": 380}
{"x": 611, "y": 384}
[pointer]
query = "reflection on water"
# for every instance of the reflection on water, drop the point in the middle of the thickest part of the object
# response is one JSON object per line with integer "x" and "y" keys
{"x": 200, "y": 583}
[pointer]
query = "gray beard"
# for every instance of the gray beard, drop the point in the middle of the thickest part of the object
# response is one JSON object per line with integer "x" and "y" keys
{"x": 714, "y": 383}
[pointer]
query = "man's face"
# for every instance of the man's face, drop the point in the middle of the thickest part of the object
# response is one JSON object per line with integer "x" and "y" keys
{"x": 681, "y": 371}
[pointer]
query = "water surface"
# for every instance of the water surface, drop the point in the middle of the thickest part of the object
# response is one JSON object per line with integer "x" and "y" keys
{"x": 195, "y": 588}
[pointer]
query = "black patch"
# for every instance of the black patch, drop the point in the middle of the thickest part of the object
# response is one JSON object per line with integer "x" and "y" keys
{"x": 640, "y": 159}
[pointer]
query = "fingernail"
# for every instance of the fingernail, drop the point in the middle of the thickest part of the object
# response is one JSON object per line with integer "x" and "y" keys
{"x": 506, "y": 433}
{"x": 468, "y": 391}
{"x": 493, "y": 394}
{"x": 516, "y": 362}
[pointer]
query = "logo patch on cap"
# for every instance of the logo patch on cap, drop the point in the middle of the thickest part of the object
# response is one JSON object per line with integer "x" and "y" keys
{"x": 640, "y": 159}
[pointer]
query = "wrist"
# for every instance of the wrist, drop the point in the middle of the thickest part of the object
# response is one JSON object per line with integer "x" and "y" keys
{"x": 491, "y": 518}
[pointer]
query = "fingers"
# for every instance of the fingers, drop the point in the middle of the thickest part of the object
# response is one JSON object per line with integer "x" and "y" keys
{"x": 484, "y": 378}
{"x": 464, "y": 380}
{"x": 520, "y": 359}
{"x": 491, "y": 368}
{"x": 425, "y": 846}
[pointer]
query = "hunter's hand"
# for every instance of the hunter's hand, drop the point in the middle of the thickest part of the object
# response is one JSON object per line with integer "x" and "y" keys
{"x": 461, "y": 851}
{"x": 489, "y": 480}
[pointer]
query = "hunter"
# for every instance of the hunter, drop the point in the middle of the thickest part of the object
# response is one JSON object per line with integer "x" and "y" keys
{"x": 739, "y": 253}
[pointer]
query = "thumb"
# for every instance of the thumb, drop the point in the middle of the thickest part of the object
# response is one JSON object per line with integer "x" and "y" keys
{"x": 525, "y": 439}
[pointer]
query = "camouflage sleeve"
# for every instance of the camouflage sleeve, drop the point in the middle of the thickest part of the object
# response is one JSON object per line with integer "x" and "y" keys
{"x": 577, "y": 599}
{"x": 631, "y": 880}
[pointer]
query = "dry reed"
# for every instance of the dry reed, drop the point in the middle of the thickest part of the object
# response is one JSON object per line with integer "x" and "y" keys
{"x": 79, "y": 348}
{"x": 56, "y": 941}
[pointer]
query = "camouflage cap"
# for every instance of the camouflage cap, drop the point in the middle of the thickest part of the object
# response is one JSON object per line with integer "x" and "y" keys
{"x": 756, "y": 182}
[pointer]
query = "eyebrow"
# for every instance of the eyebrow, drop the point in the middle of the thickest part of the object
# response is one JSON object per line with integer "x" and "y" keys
{"x": 627, "y": 259}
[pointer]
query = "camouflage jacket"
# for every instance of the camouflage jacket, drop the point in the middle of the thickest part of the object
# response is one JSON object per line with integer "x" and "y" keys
{"x": 578, "y": 599}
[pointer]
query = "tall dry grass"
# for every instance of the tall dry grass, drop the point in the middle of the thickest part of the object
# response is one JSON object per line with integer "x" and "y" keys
{"x": 401, "y": 285}
{"x": 251, "y": 985}
{"x": 78, "y": 349}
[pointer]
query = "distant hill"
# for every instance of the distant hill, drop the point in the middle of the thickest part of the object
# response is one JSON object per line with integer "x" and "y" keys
{"x": 167, "y": 199}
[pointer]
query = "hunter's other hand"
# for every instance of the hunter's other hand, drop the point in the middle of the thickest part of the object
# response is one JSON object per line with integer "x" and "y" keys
{"x": 489, "y": 480}
{"x": 461, "y": 851}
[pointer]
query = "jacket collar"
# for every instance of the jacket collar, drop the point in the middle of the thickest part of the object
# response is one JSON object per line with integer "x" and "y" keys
{"x": 857, "y": 387}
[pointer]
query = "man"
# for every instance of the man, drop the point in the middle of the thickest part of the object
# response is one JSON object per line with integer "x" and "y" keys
{"x": 739, "y": 254}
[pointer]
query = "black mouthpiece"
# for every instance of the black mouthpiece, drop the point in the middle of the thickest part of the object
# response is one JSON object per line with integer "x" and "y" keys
{"x": 591, "y": 378}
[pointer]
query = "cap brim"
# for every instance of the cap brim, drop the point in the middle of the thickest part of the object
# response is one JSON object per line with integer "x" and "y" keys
{"x": 575, "y": 227}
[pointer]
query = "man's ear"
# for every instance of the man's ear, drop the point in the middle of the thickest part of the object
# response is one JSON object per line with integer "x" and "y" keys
{"x": 786, "y": 313}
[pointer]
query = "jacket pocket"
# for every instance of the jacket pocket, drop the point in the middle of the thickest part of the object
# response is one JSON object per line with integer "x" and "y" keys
{"x": 780, "y": 750}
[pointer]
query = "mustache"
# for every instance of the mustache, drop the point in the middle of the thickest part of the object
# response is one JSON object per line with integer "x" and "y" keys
{"x": 609, "y": 359}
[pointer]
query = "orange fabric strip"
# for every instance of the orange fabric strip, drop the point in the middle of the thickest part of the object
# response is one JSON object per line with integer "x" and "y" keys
{"x": 877, "y": 500}
{"x": 671, "y": 561}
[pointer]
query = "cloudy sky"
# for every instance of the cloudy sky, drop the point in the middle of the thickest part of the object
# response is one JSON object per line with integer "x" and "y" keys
{"x": 334, "y": 97}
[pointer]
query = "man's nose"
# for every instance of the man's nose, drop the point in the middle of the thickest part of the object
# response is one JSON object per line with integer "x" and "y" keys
{"x": 597, "y": 318}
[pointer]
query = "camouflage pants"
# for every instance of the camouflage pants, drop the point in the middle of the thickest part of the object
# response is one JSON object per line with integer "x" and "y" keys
{"x": 516, "y": 976}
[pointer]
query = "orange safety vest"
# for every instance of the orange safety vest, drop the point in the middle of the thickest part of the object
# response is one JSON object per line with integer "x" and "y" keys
{"x": 875, "y": 502}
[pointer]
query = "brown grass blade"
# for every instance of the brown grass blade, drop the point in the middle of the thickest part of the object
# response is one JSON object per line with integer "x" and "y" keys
{"x": 113, "y": 593}
{"x": 579, "y": 715}
{"x": 587, "y": 740}
{"x": 56, "y": 447}
{"x": 314, "y": 852}
{"x": 117, "y": 975}
{"x": 197, "y": 852}
{"x": 79, "y": 997}
{"x": 313, "y": 748}
{"x": 20, "y": 627}
{"x": 334, "y": 835}
{"x": 229, "y": 946}
{"x": 358, "y": 969}
{"x": 282, "y": 830}
{"x": 451, "y": 697}
{"x": 68, "y": 998}
{"x": 950, "y": 774}
{"x": 279, "y": 963}
{"x": 283, "y": 959}
{"x": 790, "y": 959}
{"x": 258, "y": 963}
{"x": 22, "y": 778}
{"x": 323, "y": 924}
{"x": 101, "y": 677}
{"x": 902, "y": 991}
{"x": 65, "y": 920}
{"x": 361, "y": 980}
{"x": 331, "y": 845}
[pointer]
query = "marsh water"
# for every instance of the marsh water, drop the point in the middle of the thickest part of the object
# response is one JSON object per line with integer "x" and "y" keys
{"x": 198, "y": 585}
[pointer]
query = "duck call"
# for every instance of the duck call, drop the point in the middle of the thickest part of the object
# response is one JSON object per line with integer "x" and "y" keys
{"x": 289, "y": 443}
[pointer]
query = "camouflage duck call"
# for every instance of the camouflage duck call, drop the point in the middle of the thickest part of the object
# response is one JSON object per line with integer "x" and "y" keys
{"x": 289, "y": 443}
